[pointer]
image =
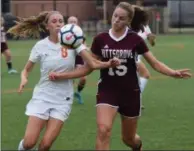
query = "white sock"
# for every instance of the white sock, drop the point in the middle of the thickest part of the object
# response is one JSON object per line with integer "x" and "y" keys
{"x": 143, "y": 83}
{"x": 21, "y": 147}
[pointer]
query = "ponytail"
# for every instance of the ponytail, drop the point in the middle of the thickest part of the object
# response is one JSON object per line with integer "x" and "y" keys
{"x": 32, "y": 26}
{"x": 140, "y": 19}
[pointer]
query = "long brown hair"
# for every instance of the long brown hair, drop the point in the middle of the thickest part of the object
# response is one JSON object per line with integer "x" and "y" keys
{"x": 140, "y": 19}
{"x": 32, "y": 26}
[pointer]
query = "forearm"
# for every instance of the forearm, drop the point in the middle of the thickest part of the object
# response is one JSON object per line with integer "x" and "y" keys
{"x": 100, "y": 65}
{"x": 77, "y": 73}
{"x": 92, "y": 62}
{"x": 164, "y": 69}
{"x": 24, "y": 74}
{"x": 27, "y": 69}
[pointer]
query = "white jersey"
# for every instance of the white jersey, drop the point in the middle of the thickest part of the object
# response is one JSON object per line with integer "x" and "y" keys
{"x": 52, "y": 58}
{"x": 144, "y": 35}
{"x": 146, "y": 32}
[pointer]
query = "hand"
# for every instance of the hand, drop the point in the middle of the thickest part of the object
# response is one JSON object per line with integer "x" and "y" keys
{"x": 182, "y": 73}
{"x": 53, "y": 76}
{"x": 23, "y": 82}
{"x": 152, "y": 39}
{"x": 114, "y": 62}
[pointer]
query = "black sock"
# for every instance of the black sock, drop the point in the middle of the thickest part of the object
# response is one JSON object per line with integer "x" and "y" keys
{"x": 80, "y": 87}
{"x": 9, "y": 65}
{"x": 137, "y": 147}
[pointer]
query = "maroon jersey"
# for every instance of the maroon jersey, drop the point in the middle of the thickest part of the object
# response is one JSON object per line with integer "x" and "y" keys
{"x": 126, "y": 48}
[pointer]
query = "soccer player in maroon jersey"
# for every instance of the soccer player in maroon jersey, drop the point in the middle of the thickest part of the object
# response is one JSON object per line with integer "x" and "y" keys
{"x": 118, "y": 89}
{"x": 78, "y": 62}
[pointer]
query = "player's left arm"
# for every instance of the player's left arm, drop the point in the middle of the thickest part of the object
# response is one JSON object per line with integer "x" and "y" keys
{"x": 164, "y": 69}
{"x": 159, "y": 66}
{"x": 91, "y": 64}
{"x": 82, "y": 70}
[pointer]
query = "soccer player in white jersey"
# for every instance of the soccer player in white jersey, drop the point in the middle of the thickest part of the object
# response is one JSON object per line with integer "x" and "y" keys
{"x": 146, "y": 34}
{"x": 144, "y": 73}
{"x": 51, "y": 102}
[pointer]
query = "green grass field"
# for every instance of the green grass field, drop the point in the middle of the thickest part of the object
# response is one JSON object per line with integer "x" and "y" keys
{"x": 166, "y": 123}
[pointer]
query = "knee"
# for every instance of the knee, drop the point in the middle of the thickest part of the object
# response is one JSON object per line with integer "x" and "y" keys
{"x": 104, "y": 131}
{"x": 29, "y": 143}
{"x": 45, "y": 145}
{"x": 7, "y": 54}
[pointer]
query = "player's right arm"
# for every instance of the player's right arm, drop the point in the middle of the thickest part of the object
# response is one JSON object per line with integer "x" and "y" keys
{"x": 24, "y": 75}
{"x": 34, "y": 57}
{"x": 150, "y": 36}
{"x": 152, "y": 39}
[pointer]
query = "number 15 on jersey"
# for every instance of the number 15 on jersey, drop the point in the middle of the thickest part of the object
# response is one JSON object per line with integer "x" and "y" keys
{"x": 119, "y": 70}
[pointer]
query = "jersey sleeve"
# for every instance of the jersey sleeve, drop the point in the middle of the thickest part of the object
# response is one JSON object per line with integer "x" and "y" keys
{"x": 35, "y": 55}
{"x": 141, "y": 48}
{"x": 80, "y": 48}
{"x": 95, "y": 48}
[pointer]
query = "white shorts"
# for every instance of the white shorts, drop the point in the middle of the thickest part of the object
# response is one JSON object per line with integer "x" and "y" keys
{"x": 45, "y": 110}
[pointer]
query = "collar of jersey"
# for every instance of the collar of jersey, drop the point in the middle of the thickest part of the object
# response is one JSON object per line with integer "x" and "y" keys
{"x": 52, "y": 44}
{"x": 121, "y": 37}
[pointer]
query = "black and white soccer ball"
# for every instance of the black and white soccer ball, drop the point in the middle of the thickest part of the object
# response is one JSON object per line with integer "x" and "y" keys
{"x": 71, "y": 35}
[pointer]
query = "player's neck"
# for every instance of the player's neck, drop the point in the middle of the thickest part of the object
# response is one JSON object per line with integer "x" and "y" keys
{"x": 53, "y": 39}
{"x": 118, "y": 33}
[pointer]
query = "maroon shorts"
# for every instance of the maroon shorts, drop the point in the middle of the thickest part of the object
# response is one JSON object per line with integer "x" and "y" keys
{"x": 127, "y": 100}
{"x": 79, "y": 60}
{"x": 3, "y": 47}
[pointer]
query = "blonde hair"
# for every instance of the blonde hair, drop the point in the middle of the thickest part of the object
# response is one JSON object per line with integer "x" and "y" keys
{"x": 127, "y": 7}
{"x": 32, "y": 26}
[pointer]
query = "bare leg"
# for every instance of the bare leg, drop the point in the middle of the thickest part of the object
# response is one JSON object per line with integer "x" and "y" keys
{"x": 33, "y": 129}
{"x": 105, "y": 118}
{"x": 53, "y": 129}
{"x": 129, "y": 133}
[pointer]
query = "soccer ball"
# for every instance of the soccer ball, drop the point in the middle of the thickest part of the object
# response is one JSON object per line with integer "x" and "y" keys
{"x": 71, "y": 35}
